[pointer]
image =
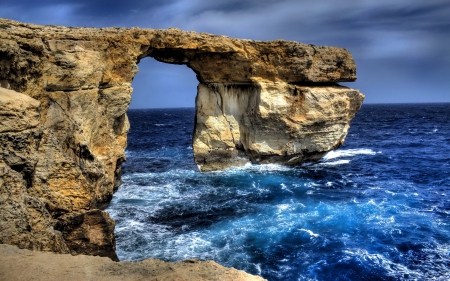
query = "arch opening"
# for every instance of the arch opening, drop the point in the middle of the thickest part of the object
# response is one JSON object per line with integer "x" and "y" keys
{"x": 159, "y": 150}
{"x": 161, "y": 116}
{"x": 163, "y": 85}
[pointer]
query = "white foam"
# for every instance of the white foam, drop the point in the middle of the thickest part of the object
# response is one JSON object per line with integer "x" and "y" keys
{"x": 257, "y": 168}
{"x": 258, "y": 268}
{"x": 284, "y": 187}
{"x": 334, "y": 163}
{"x": 390, "y": 192}
{"x": 348, "y": 153}
{"x": 378, "y": 260}
{"x": 282, "y": 207}
{"x": 309, "y": 232}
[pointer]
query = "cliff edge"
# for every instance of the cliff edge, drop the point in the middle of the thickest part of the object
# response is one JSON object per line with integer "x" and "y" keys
{"x": 63, "y": 124}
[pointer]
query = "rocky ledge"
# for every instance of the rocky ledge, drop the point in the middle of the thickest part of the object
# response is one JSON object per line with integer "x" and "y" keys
{"x": 18, "y": 264}
{"x": 63, "y": 123}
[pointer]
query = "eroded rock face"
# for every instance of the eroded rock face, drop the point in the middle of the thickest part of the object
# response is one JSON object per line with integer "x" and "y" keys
{"x": 42, "y": 202}
{"x": 270, "y": 123}
{"x": 24, "y": 219}
{"x": 63, "y": 138}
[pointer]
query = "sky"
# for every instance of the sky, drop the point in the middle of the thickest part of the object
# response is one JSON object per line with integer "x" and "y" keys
{"x": 401, "y": 47}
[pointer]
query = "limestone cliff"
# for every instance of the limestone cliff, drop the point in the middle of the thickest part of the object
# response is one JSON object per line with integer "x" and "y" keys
{"x": 63, "y": 121}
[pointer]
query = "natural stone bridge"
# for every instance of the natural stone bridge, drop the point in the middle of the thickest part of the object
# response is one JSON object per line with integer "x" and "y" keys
{"x": 63, "y": 138}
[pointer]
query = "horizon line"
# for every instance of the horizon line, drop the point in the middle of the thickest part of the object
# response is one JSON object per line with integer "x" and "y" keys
{"x": 369, "y": 103}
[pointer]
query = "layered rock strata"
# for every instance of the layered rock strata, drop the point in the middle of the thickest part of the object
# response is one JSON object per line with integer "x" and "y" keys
{"x": 63, "y": 122}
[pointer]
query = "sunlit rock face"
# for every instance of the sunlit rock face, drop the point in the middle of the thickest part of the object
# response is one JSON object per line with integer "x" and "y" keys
{"x": 64, "y": 124}
{"x": 266, "y": 122}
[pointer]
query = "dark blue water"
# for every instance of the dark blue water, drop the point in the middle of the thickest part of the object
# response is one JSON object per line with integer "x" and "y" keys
{"x": 376, "y": 209}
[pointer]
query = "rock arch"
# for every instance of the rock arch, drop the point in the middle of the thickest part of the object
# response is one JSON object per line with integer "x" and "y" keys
{"x": 64, "y": 137}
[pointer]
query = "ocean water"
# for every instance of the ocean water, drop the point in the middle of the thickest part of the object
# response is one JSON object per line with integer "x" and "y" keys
{"x": 378, "y": 208}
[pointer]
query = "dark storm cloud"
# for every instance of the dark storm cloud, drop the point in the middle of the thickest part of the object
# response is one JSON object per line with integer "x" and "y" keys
{"x": 401, "y": 44}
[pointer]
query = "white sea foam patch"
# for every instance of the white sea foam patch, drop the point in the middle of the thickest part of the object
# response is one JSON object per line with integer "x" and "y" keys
{"x": 309, "y": 232}
{"x": 348, "y": 153}
{"x": 376, "y": 260}
{"x": 257, "y": 168}
{"x": 334, "y": 163}
{"x": 130, "y": 226}
{"x": 282, "y": 207}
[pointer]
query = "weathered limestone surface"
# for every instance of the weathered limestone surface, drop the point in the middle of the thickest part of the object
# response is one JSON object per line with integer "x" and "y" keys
{"x": 24, "y": 219}
{"x": 270, "y": 123}
{"x": 63, "y": 122}
{"x": 42, "y": 198}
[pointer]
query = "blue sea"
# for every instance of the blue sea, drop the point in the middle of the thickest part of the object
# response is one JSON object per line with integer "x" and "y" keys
{"x": 378, "y": 208}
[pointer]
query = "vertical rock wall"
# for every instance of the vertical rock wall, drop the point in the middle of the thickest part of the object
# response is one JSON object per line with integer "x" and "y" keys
{"x": 67, "y": 167}
{"x": 24, "y": 219}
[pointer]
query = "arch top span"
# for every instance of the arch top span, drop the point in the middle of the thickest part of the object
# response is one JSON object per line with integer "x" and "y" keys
{"x": 78, "y": 58}
{"x": 221, "y": 59}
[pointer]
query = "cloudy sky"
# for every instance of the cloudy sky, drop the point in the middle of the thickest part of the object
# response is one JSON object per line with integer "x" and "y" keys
{"x": 401, "y": 47}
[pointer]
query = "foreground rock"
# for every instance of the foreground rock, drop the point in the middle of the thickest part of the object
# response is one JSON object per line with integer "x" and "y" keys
{"x": 17, "y": 264}
{"x": 44, "y": 203}
{"x": 64, "y": 124}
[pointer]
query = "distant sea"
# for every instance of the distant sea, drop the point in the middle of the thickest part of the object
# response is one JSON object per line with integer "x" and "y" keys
{"x": 378, "y": 208}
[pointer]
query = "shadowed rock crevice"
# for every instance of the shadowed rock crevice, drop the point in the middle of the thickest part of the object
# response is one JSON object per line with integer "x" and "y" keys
{"x": 89, "y": 233}
{"x": 63, "y": 124}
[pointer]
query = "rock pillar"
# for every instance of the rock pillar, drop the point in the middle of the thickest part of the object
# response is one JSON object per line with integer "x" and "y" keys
{"x": 266, "y": 122}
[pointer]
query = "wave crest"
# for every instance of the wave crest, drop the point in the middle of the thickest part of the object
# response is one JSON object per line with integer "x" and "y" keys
{"x": 348, "y": 153}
